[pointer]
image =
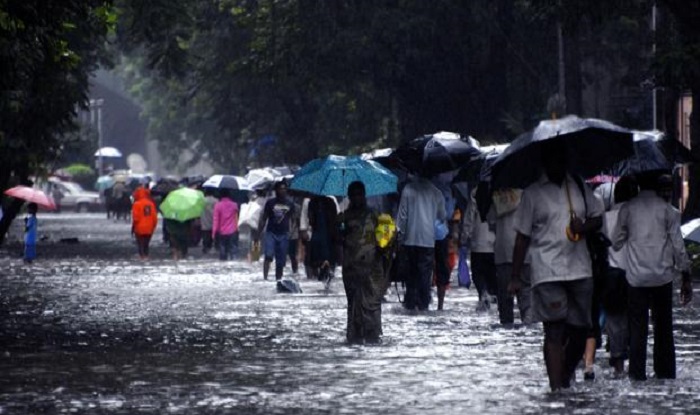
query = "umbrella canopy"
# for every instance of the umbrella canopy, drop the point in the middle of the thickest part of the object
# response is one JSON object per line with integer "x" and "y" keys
{"x": 592, "y": 145}
{"x": 108, "y": 152}
{"x": 104, "y": 182}
{"x": 164, "y": 186}
{"x": 648, "y": 156}
{"x": 183, "y": 204}
{"x": 331, "y": 176}
{"x": 479, "y": 168}
{"x": 221, "y": 181}
{"x": 31, "y": 195}
{"x": 261, "y": 178}
{"x": 691, "y": 231}
{"x": 437, "y": 153}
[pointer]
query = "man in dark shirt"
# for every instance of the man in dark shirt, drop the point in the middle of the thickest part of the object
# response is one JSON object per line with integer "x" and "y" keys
{"x": 275, "y": 220}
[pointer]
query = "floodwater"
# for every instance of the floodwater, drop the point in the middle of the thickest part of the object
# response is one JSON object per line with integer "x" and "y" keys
{"x": 89, "y": 329}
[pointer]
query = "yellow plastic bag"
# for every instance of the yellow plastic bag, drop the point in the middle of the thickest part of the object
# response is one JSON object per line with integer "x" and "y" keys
{"x": 385, "y": 231}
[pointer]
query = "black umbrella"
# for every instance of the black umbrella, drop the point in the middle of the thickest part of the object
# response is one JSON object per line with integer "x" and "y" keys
{"x": 675, "y": 151}
{"x": 437, "y": 153}
{"x": 479, "y": 168}
{"x": 648, "y": 156}
{"x": 592, "y": 145}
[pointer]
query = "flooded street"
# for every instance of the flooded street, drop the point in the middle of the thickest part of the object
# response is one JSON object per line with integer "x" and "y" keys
{"x": 90, "y": 329}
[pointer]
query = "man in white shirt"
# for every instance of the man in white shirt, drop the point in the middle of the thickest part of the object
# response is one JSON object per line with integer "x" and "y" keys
{"x": 553, "y": 218}
{"x": 649, "y": 230}
{"x": 421, "y": 206}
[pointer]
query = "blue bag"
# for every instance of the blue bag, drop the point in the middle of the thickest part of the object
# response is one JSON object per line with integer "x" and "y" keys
{"x": 463, "y": 275}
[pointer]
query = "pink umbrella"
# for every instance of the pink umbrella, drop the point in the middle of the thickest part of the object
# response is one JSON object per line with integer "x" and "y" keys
{"x": 31, "y": 195}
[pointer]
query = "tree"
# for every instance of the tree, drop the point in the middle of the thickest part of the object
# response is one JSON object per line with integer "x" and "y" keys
{"x": 47, "y": 52}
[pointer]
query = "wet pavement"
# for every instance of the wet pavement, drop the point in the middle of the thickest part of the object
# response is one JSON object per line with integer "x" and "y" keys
{"x": 89, "y": 329}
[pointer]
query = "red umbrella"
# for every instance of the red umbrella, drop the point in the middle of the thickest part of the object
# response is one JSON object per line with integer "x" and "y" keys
{"x": 31, "y": 195}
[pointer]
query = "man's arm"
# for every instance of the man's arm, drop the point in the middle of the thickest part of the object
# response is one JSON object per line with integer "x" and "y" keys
{"x": 262, "y": 222}
{"x": 402, "y": 216}
{"x": 522, "y": 244}
{"x": 620, "y": 234}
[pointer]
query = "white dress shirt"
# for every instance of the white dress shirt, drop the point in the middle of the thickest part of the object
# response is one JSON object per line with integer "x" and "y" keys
{"x": 543, "y": 216}
{"x": 651, "y": 230}
{"x": 615, "y": 258}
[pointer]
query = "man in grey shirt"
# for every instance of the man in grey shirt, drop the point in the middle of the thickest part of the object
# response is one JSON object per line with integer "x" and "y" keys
{"x": 649, "y": 229}
{"x": 421, "y": 206}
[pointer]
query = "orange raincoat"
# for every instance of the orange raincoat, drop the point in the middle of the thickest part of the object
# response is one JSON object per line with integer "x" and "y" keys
{"x": 144, "y": 214}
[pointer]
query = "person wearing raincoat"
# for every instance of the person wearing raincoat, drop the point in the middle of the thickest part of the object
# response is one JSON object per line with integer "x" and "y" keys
{"x": 363, "y": 275}
{"x": 144, "y": 217}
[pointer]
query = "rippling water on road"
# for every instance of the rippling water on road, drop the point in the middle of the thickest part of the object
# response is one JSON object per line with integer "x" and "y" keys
{"x": 89, "y": 329}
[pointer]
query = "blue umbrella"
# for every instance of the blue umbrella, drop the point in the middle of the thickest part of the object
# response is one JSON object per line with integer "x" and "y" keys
{"x": 331, "y": 176}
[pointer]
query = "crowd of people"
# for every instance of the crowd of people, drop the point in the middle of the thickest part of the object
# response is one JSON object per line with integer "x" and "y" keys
{"x": 568, "y": 257}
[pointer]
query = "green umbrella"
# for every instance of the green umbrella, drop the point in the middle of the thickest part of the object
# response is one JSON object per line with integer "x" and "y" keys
{"x": 183, "y": 204}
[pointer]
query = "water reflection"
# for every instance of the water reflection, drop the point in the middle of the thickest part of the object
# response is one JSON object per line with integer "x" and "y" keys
{"x": 91, "y": 334}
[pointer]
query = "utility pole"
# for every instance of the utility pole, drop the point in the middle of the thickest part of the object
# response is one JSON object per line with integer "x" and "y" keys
{"x": 97, "y": 104}
{"x": 653, "y": 50}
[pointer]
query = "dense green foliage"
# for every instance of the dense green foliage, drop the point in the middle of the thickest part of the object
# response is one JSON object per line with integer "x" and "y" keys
{"x": 347, "y": 75}
{"x": 48, "y": 49}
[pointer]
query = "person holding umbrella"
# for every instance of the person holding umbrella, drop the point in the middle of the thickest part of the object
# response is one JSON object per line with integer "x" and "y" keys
{"x": 649, "y": 230}
{"x": 225, "y": 226}
{"x": 30, "y": 227}
{"x": 363, "y": 275}
{"x": 422, "y": 206}
{"x": 553, "y": 219}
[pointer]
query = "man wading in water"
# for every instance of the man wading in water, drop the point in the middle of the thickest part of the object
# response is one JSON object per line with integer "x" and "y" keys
{"x": 552, "y": 221}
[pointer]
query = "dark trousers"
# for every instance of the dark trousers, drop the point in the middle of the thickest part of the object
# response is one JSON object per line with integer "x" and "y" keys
{"x": 419, "y": 272}
{"x": 442, "y": 265}
{"x": 293, "y": 251}
{"x": 483, "y": 267}
{"x": 142, "y": 241}
{"x": 660, "y": 301}
{"x": 207, "y": 240}
{"x": 505, "y": 299}
{"x": 228, "y": 246}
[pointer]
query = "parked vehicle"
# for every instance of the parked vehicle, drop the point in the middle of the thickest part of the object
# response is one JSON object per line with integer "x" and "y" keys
{"x": 71, "y": 196}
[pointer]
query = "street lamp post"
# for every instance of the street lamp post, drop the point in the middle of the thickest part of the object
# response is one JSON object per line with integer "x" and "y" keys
{"x": 97, "y": 104}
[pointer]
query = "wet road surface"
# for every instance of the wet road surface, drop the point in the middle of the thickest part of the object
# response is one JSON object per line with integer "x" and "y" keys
{"x": 90, "y": 329}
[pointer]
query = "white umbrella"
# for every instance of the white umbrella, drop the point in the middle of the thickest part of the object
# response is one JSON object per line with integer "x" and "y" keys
{"x": 691, "y": 231}
{"x": 220, "y": 181}
{"x": 260, "y": 178}
{"x": 108, "y": 152}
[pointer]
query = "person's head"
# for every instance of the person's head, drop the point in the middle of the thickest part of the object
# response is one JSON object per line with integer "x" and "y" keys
{"x": 625, "y": 189}
{"x": 664, "y": 187}
{"x": 224, "y": 193}
{"x": 554, "y": 160}
{"x": 357, "y": 194}
{"x": 32, "y": 208}
{"x": 281, "y": 189}
{"x": 648, "y": 181}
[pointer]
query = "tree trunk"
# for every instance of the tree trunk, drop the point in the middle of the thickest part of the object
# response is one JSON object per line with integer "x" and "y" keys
{"x": 15, "y": 206}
